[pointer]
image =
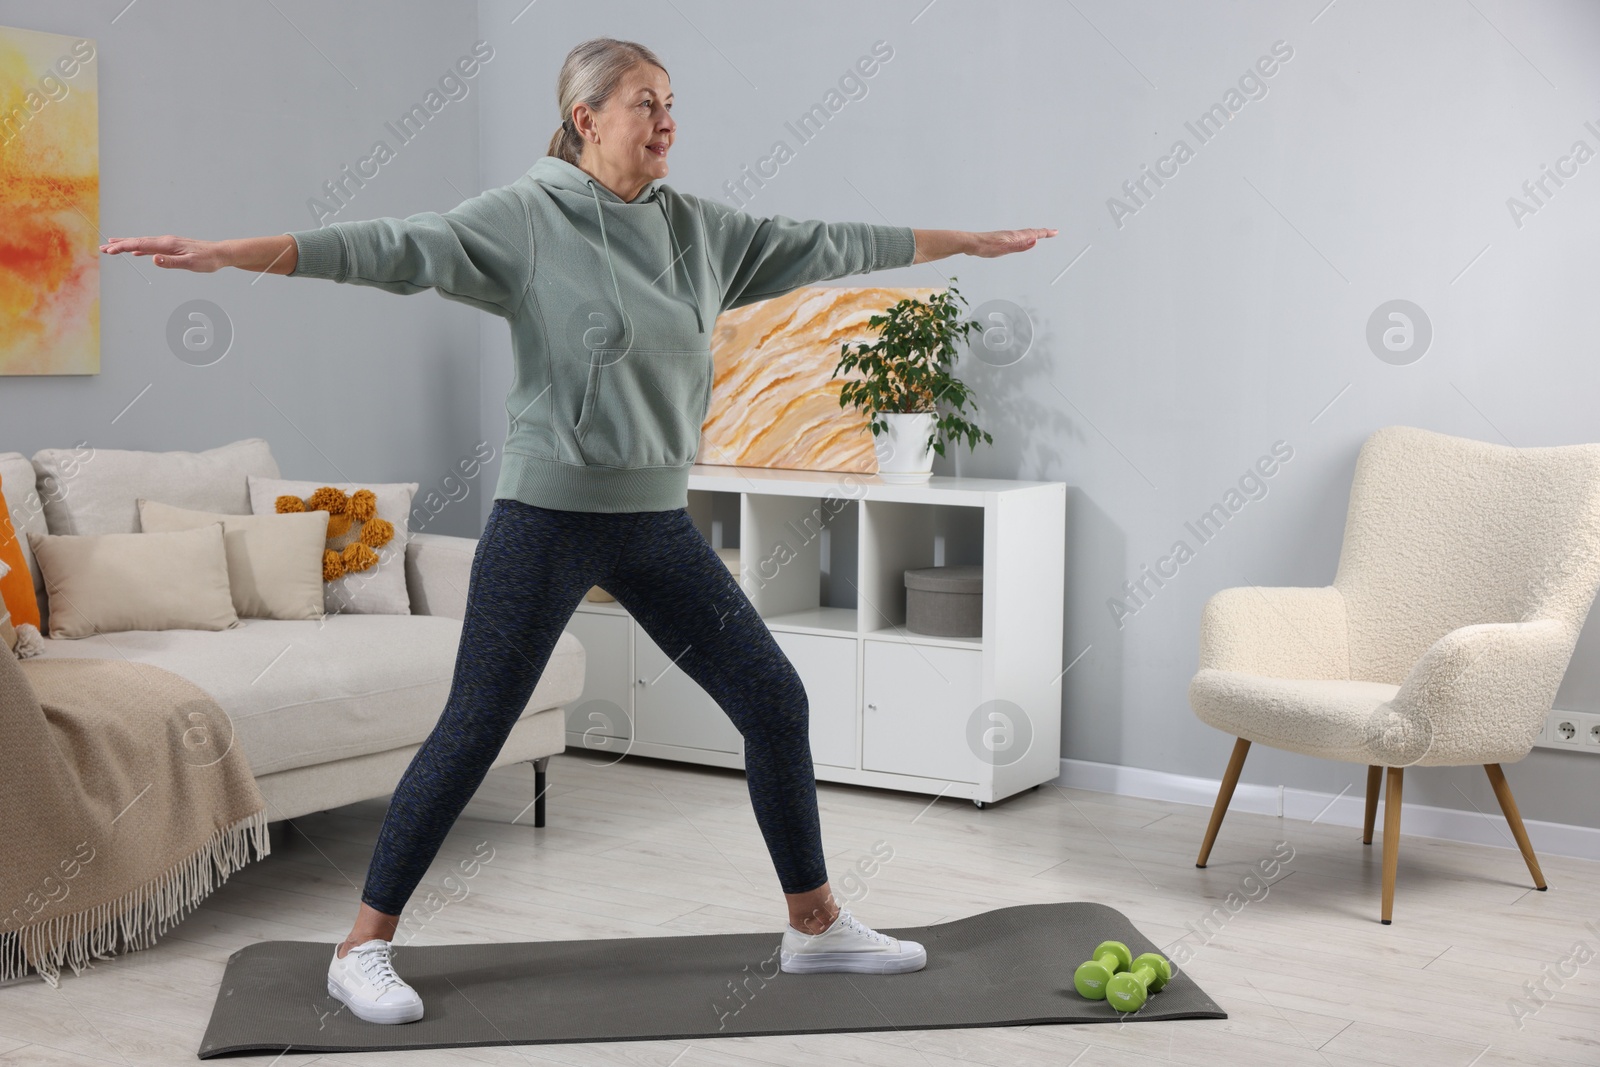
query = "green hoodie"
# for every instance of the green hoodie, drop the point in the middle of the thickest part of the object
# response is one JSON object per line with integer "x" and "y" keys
{"x": 611, "y": 340}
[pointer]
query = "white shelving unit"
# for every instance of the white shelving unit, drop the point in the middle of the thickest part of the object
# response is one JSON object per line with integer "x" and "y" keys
{"x": 822, "y": 557}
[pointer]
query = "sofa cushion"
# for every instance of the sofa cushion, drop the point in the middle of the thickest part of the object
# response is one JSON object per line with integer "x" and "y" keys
{"x": 111, "y": 583}
{"x": 303, "y": 692}
{"x": 93, "y": 490}
{"x": 274, "y": 561}
{"x": 16, "y": 583}
{"x": 27, "y": 515}
{"x": 381, "y": 588}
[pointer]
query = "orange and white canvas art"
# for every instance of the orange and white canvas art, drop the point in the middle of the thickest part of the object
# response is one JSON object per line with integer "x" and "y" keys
{"x": 773, "y": 400}
{"x": 50, "y": 201}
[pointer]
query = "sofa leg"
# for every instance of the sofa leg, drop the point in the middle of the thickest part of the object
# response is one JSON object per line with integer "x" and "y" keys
{"x": 1391, "y": 839}
{"x": 1508, "y": 805}
{"x": 1374, "y": 778}
{"x": 540, "y": 766}
{"x": 1230, "y": 778}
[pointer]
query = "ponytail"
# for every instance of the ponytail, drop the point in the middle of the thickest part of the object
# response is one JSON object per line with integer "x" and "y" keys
{"x": 565, "y": 143}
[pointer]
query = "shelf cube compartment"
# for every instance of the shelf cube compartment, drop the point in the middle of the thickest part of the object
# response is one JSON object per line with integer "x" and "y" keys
{"x": 799, "y": 567}
{"x": 898, "y": 536}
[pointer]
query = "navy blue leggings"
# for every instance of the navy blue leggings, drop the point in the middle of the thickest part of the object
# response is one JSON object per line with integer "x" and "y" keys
{"x": 531, "y": 570}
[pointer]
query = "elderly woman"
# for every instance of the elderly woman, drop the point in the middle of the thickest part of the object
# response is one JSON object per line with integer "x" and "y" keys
{"x": 605, "y": 415}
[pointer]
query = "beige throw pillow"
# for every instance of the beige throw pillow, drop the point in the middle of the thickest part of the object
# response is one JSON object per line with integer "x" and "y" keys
{"x": 107, "y": 583}
{"x": 274, "y": 561}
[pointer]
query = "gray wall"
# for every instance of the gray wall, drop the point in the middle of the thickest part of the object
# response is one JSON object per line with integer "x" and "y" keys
{"x": 223, "y": 120}
{"x": 1229, "y": 312}
{"x": 1223, "y": 316}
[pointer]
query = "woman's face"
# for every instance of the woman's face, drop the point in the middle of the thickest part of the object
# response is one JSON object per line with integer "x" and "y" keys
{"x": 635, "y": 128}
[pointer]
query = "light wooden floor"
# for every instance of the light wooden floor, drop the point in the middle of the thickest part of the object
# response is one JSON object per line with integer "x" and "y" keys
{"x": 642, "y": 848}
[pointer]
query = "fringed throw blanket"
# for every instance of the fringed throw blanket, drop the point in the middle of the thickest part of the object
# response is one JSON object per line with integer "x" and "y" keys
{"x": 123, "y": 803}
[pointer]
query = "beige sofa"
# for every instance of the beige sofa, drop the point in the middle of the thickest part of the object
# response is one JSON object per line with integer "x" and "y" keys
{"x": 327, "y": 711}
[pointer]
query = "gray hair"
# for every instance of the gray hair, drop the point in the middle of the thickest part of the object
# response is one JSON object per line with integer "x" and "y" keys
{"x": 591, "y": 73}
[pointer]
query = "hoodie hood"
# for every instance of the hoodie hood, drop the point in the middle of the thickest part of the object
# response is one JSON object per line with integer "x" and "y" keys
{"x": 556, "y": 173}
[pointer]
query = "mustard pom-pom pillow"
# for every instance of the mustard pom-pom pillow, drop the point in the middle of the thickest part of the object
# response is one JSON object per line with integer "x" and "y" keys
{"x": 363, "y": 562}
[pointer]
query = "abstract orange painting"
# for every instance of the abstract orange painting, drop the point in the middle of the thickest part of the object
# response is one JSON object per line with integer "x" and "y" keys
{"x": 774, "y": 402}
{"x": 50, "y": 204}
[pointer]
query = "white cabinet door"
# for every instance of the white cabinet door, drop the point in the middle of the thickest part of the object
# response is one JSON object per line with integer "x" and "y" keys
{"x": 604, "y": 708}
{"x": 827, "y": 667}
{"x": 670, "y": 708}
{"x": 916, "y": 701}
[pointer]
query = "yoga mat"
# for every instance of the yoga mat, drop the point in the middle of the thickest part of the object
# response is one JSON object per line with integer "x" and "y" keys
{"x": 1008, "y": 967}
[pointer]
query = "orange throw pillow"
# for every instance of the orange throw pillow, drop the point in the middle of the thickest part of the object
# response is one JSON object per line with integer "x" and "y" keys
{"x": 16, "y": 588}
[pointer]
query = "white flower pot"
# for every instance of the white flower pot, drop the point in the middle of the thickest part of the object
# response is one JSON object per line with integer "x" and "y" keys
{"x": 904, "y": 455}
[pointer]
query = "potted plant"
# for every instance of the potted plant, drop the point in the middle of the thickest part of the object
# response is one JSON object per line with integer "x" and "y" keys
{"x": 907, "y": 379}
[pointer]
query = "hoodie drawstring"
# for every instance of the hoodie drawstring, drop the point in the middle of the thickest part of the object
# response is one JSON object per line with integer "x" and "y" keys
{"x": 695, "y": 295}
{"x": 626, "y": 327}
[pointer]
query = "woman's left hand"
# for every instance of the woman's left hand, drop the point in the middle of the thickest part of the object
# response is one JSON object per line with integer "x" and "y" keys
{"x": 1003, "y": 242}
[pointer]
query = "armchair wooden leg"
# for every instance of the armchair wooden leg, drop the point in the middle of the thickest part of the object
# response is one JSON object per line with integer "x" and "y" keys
{"x": 1508, "y": 804}
{"x": 1391, "y": 839}
{"x": 1374, "y": 777}
{"x": 1230, "y": 778}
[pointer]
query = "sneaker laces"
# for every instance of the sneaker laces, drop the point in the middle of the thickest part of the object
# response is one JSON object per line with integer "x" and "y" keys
{"x": 377, "y": 968}
{"x": 862, "y": 928}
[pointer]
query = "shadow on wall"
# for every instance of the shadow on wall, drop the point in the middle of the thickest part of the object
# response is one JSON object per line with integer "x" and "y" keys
{"x": 1091, "y": 690}
{"x": 1010, "y": 368}
{"x": 1582, "y": 680}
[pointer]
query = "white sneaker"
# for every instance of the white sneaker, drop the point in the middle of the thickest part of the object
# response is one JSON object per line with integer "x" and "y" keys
{"x": 848, "y": 945}
{"x": 365, "y": 982}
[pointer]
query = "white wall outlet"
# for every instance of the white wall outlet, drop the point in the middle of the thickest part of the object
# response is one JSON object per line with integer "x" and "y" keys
{"x": 1576, "y": 731}
{"x": 1564, "y": 729}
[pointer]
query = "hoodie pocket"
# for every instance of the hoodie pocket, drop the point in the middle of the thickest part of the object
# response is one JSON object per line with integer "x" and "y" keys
{"x": 644, "y": 407}
{"x": 586, "y": 406}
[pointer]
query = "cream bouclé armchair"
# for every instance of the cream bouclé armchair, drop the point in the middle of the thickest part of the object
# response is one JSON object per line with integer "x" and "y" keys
{"x": 1466, "y": 573}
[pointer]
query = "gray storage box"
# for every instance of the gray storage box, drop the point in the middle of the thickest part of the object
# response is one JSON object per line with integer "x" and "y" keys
{"x": 945, "y": 601}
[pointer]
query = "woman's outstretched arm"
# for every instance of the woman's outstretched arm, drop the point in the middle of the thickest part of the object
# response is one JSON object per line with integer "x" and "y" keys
{"x": 936, "y": 244}
{"x": 480, "y": 252}
{"x": 272, "y": 255}
{"x": 754, "y": 258}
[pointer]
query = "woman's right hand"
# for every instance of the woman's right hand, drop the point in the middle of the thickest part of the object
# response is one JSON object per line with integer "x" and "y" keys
{"x": 175, "y": 253}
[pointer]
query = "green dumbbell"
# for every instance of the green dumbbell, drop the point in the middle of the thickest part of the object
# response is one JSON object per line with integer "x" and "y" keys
{"x": 1091, "y": 977}
{"x": 1129, "y": 990}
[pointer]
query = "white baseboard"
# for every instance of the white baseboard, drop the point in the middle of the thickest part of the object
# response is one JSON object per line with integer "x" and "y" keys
{"x": 1347, "y": 809}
